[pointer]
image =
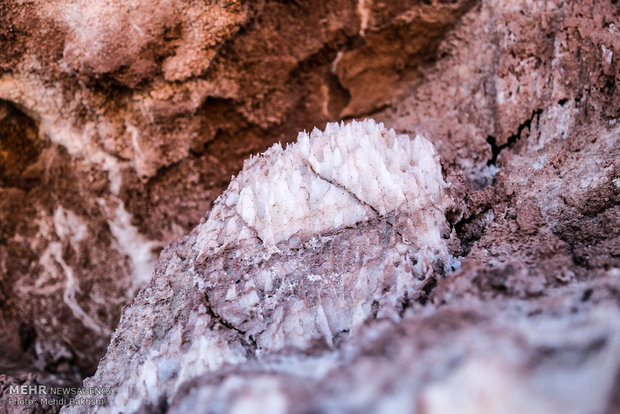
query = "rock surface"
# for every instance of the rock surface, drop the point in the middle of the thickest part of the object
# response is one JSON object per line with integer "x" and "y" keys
{"x": 123, "y": 122}
{"x": 120, "y": 124}
{"x": 249, "y": 284}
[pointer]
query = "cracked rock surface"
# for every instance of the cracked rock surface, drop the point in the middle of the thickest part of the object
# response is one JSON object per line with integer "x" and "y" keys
{"x": 120, "y": 124}
{"x": 249, "y": 285}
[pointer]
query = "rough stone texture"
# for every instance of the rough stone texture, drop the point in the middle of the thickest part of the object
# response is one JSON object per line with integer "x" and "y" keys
{"x": 121, "y": 123}
{"x": 455, "y": 360}
{"x": 114, "y": 140}
{"x": 233, "y": 293}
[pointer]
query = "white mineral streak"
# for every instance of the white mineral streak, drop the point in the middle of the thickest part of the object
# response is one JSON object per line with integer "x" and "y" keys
{"x": 81, "y": 144}
{"x": 53, "y": 255}
{"x": 363, "y": 10}
{"x": 70, "y": 226}
{"x": 57, "y": 276}
{"x": 130, "y": 242}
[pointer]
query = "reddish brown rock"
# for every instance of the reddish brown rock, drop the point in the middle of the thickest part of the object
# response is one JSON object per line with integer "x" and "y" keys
{"x": 120, "y": 125}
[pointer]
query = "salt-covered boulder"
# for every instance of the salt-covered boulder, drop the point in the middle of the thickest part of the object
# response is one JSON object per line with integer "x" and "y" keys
{"x": 306, "y": 245}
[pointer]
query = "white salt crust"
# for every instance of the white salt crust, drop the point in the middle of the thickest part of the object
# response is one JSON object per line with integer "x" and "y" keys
{"x": 338, "y": 177}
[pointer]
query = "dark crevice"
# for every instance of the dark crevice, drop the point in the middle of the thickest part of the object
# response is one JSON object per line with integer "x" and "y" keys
{"x": 370, "y": 113}
{"x": 339, "y": 337}
{"x": 469, "y": 230}
{"x": 579, "y": 96}
{"x": 374, "y": 309}
{"x": 27, "y": 338}
{"x": 497, "y": 149}
{"x": 404, "y": 304}
{"x": 339, "y": 96}
{"x": 587, "y": 294}
{"x": 248, "y": 341}
{"x": 578, "y": 260}
{"x": 427, "y": 289}
{"x": 20, "y": 147}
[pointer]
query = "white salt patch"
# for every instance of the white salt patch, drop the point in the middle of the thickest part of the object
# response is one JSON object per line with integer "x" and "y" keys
{"x": 140, "y": 158}
{"x": 334, "y": 65}
{"x": 607, "y": 54}
{"x": 314, "y": 278}
{"x": 323, "y": 325}
{"x": 336, "y": 178}
{"x": 131, "y": 243}
{"x": 540, "y": 162}
{"x": 288, "y": 198}
{"x": 454, "y": 263}
{"x": 379, "y": 167}
{"x": 363, "y": 10}
{"x": 261, "y": 396}
{"x": 147, "y": 382}
{"x": 167, "y": 368}
{"x": 483, "y": 386}
{"x": 207, "y": 353}
{"x": 68, "y": 225}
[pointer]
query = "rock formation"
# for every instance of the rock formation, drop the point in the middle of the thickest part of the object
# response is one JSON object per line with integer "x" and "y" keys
{"x": 121, "y": 123}
{"x": 303, "y": 248}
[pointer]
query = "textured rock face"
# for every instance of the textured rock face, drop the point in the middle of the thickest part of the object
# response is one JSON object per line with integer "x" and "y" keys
{"x": 120, "y": 124}
{"x": 249, "y": 283}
